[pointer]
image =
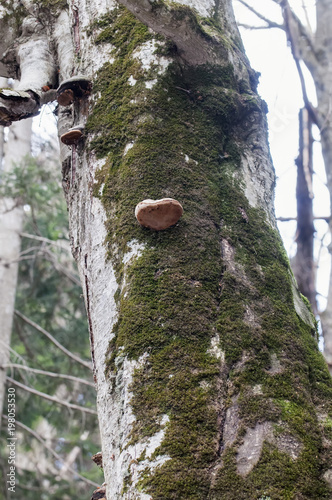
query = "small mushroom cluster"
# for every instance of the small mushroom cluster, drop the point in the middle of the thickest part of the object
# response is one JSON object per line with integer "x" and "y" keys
{"x": 71, "y": 90}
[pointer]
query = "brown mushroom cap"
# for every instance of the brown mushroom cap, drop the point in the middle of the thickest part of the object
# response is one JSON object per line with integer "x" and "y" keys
{"x": 158, "y": 214}
{"x": 72, "y": 136}
{"x": 74, "y": 87}
{"x": 66, "y": 97}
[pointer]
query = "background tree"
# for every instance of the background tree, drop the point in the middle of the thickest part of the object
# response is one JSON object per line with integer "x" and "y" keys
{"x": 11, "y": 220}
{"x": 209, "y": 380}
{"x": 55, "y": 444}
{"x": 313, "y": 48}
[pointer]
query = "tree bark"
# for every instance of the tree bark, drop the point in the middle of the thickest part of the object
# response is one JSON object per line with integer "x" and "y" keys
{"x": 208, "y": 376}
{"x": 303, "y": 264}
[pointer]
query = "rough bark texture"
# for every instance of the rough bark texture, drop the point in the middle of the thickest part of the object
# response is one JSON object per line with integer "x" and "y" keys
{"x": 208, "y": 376}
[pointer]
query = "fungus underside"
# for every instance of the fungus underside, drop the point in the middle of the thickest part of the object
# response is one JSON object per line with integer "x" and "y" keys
{"x": 181, "y": 294}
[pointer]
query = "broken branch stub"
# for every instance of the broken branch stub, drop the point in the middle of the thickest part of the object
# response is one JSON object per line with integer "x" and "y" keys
{"x": 17, "y": 104}
{"x": 158, "y": 214}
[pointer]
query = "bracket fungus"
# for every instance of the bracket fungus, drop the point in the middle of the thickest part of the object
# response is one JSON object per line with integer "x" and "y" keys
{"x": 158, "y": 214}
{"x": 76, "y": 87}
{"x": 72, "y": 136}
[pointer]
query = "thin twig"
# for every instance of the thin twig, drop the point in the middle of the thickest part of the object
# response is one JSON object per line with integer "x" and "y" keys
{"x": 12, "y": 350}
{"x": 287, "y": 219}
{"x": 60, "y": 268}
{"x": 54, "y": 453}
{"x": 270, "y": 24}
{"x": 289, "y": 19}
{"x": 251, "y": 28}
{"x": 49, "y": 374}
{"x": 52, "y": 339}
{"x": 305, "y": 10}
{"x": 46, "y": 240}
{"x": 51, "y": 398}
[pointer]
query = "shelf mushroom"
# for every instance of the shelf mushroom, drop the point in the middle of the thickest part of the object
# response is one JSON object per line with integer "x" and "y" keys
{"x": 72, "y": 136}
{"x": 158, "y": 214}
{"x": 73, "y": 88}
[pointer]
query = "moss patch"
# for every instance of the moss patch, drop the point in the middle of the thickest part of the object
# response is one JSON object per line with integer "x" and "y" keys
{"x": 184, "y": 135}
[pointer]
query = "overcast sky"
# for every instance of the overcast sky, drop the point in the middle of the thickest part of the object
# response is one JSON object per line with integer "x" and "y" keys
{"x": 279, "y": 86}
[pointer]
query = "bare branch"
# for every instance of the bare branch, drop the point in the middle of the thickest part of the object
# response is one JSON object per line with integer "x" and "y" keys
{"x": 46, "y": 240}
{"x": 251, "y": 28}
{"x": 54, "y": 453}
{"x": 12, "y": 350}
{"x": 51, "y": 398}
{"x": 270, "y": 24}
{"x": 305, "y": 10}
{"x": 60, "y": 268}
{"x": 49, "y": 374}
{"x": 52, "y": 339}
{"x": 287, "y": 219}
{"x": 294, "y": 29}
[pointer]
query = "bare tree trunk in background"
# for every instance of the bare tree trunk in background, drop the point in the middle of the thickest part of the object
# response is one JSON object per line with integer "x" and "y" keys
{"x": 303, "y": 263}
{"x": 11, "y": 217}
{"x": 209, "y": 381}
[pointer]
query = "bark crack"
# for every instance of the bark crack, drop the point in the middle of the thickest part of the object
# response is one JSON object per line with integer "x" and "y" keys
{"x": 88, "y": 311}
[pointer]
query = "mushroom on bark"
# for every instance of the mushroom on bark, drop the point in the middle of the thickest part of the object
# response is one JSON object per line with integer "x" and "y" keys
{"x": 74, "y": 88}
{"x": 158, "y": 214}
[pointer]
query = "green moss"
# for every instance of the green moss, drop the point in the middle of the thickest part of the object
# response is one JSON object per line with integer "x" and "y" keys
{"x": 185, "y": 142}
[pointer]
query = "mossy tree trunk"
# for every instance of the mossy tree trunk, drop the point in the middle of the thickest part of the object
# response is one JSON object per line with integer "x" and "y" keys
{"x": 209, "y": 380}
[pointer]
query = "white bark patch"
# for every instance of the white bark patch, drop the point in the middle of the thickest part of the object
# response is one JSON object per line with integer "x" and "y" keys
{"x": 300, "y": 307}
{"x": 257, "y": 390}
{"x": 147, "y": 57}
{"x": 127, "y": 148}
{"x": 121, "y": 458}
{"x": 204, "y": 7}
{"x": 250, "y": 451}
{"x": 131, "y": 81}
{"x": 135, "y": 250}
{"x": 288, "y": 444}
{"x": 275, "y": 365}
{"x": 215, "y": 350}
{"x": 150, "y": 83}
{"x": 148, "y": 446}
{"x": 92, "y": 56}
{"x": 250, "y": 318}
{"x": 232, "y": 423}
{"x": 258, "y": 179}
{"x": 328, "y": 477}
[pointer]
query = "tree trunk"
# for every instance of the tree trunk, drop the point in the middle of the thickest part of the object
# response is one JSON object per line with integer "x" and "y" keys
{"x": 11, "y": 218}
{"x": 322, "y": 74}
{"x": 208, "y": 376}
{"x": 303, "y": 263}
